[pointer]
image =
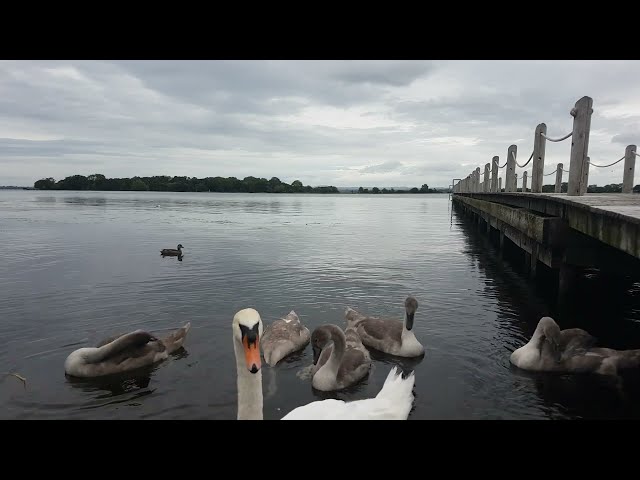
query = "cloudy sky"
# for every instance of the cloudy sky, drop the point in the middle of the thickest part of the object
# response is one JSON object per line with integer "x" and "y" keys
{"x": 343, "y": 123}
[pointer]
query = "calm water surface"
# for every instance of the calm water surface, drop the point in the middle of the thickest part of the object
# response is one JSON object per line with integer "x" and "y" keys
{"x": 80, "y": 266}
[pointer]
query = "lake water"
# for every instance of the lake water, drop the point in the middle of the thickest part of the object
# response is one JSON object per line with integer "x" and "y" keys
{"x": 80, "y": 266}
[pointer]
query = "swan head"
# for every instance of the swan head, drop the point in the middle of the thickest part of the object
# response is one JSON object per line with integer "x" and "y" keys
{"x": 550, "y": 332}
{"x": 410, "y": 307}
{"x": 247, "y": 330}
{"x": 320, "y": 338}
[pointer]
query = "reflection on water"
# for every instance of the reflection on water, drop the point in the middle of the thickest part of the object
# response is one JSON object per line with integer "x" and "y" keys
{"x": 116, "y": 384}
{"x": 407, "y": 365}
{"x": 85, "y": 265}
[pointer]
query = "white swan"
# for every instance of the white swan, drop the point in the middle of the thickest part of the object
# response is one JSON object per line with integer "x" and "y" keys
{"x": 123, "y": 353}
{"x": 570, "y": 351}
{"x": 388, "y": 335}
{"x": 394, "y": 401}
{"x": 340, "y": 359}
{"x": 284, "y": 337}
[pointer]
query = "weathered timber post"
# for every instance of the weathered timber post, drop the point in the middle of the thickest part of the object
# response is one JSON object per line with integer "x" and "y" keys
{"x": 580, "y": 146}
{"x": 494, "y": 174}
{"x": 500, "y": 184}
{"x": 524, "y": 182}
{"x": 558, "y": 188}
{"x": 629, "y": 168}
{"x": 510, "y": 180}
{"x": 539, "y": 143}
{"x": 585, "y": 178}
{"x": 486, "y": 184}
{"x": 477, "y": 172}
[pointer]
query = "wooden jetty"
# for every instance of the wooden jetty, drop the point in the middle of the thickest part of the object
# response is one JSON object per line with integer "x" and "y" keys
{"x": 564, "y": 231}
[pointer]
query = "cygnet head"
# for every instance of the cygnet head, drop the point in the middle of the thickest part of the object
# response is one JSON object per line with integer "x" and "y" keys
{"x": 410, "y": 306}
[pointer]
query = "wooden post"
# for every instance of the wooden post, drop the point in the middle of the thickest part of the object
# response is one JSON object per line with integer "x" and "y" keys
{"x": 539, "y": 143}
{"x": 494, "y": 174}
{"x": 524, "y": 182}
{"x": 629, "y": 168}
{"x": 500, "y": 184}
{"x": 485, "y": 184}
{"x": 510, "y": 179}
{"x": 579, "y": 145}
{"x": 477, "y": 171}
{"x": 559, "y": 179}
{"x": 585, "y": 178}
{"x": 516, "y": 183}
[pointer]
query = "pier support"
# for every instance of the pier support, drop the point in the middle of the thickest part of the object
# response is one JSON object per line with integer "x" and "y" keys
{"x": 567, "y": 276}
{"x": 533, "y": 261}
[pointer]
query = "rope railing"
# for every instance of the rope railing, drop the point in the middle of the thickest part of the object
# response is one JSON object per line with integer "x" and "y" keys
{"x": 521, "y": 166}
{"x": 605, "y": 166}
{"x": 579, "y": 162}
{"x": 500, "y": 166}
{"x": 556, "y": 139}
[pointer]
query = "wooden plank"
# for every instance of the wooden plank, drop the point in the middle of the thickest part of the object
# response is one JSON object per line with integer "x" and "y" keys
{"x": 613, "y": 219}
{"x": 542, "y": 229}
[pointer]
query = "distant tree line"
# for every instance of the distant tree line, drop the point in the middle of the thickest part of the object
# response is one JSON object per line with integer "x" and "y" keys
{"x": 424, "y": 189}
{"x": 180, "y": 184}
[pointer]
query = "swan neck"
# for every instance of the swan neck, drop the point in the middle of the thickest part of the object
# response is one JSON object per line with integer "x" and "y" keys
{"x": 337, "y": 352}
{"x": 250, "y": 400}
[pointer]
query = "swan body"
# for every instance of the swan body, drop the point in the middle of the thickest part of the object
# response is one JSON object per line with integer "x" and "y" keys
{"x": 283, "y": 337}
{"x": 340, "y": 359}
{"x": 123, "y": 353}
{"x": 387, "y": 335}
{"x": 570, "y": 351}
{"x": 393, "y": 402}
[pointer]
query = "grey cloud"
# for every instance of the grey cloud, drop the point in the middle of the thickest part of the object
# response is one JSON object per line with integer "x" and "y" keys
{"x": 626, "y": 138}
{"x": 394, "y": 73}
{"x": 382, "y": 167}
{"x": 319, "y": 121}
{"x": 248, "y": 86}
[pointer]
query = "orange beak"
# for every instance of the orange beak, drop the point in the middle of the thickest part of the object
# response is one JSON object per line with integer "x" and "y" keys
{"x": 252, "y": 354}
